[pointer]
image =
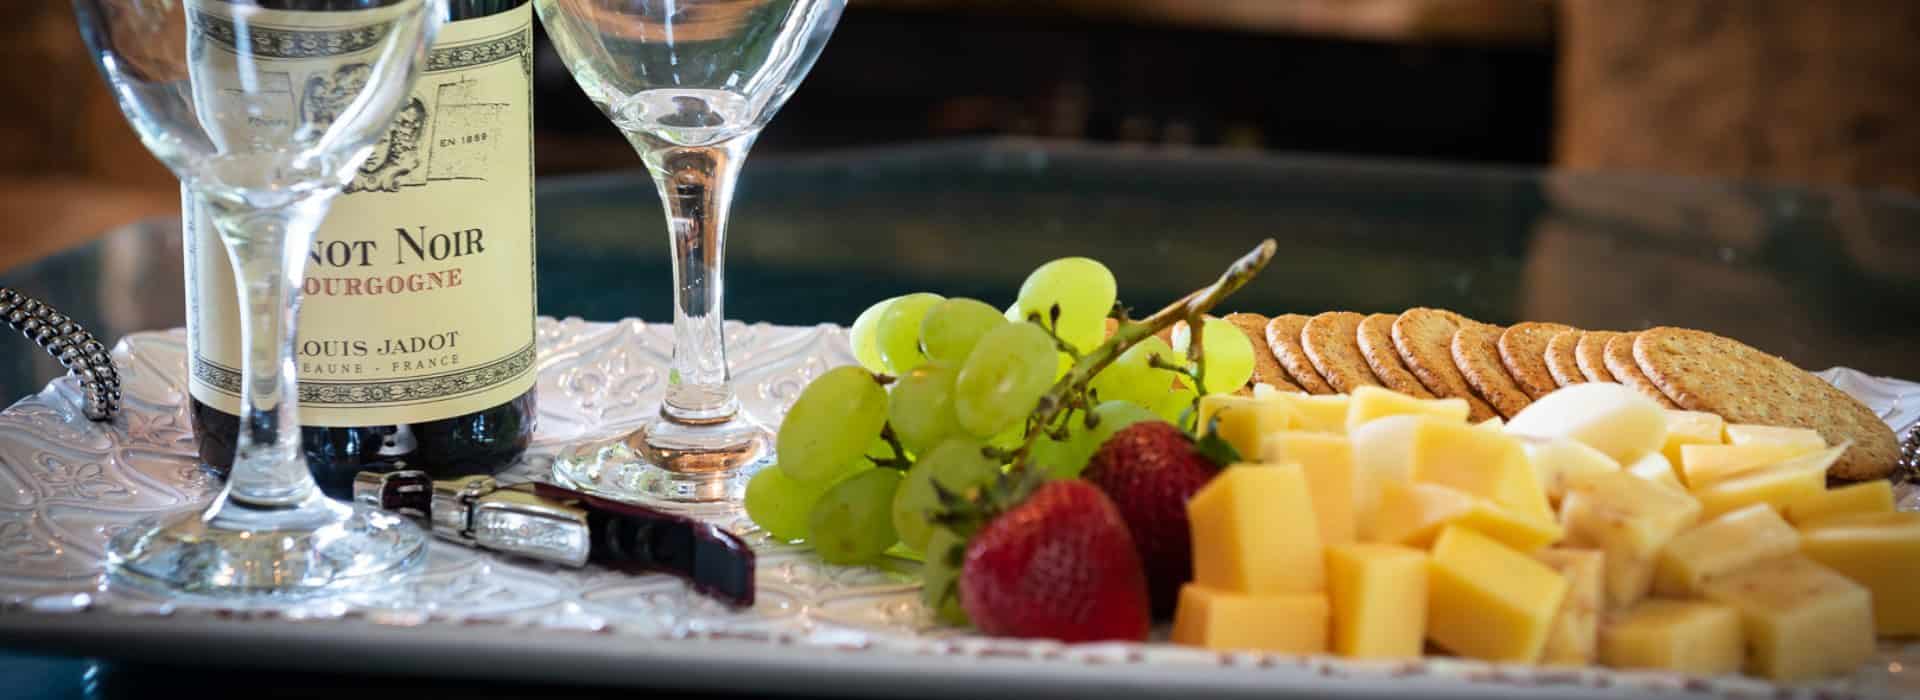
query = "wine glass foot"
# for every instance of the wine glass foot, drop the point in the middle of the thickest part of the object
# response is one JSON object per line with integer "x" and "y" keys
{"x": 316, "y": 549}
{"x": 667, "y": 461}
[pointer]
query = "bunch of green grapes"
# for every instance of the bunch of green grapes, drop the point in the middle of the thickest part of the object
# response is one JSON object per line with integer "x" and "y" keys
{"x": 944, "y": 392}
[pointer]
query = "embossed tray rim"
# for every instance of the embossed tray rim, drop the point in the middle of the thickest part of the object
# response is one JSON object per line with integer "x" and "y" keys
{"x": 570, "y": 645}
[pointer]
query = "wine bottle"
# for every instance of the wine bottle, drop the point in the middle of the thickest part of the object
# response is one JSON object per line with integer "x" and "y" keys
{"x": 416, "y": 338}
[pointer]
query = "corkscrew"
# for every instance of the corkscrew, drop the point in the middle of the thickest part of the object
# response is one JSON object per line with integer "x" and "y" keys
{"x": 70, "y": 344}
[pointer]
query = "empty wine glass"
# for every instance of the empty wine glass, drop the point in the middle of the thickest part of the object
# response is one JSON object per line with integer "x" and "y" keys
{"x": 264, "y": 109}
{"x": 690, "y": 83}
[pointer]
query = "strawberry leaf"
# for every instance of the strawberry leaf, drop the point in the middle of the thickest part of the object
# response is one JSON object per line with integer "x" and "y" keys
{"x": 1215, "y": 448}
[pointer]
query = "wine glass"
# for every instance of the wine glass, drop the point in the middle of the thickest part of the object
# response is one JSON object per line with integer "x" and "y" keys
{"x": 264, "y": 109}
{"x": 690, "y": 83}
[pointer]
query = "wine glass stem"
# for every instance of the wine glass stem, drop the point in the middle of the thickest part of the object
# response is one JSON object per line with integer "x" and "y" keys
{"x": 696, "y": 187}
{"x": 268, "y": 250}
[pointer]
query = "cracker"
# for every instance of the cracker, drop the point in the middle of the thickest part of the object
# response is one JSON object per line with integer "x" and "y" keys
{"x": 1706, "y": 372}
{"x": 1560, "y": 360}
{"x": 1424, "y": 338}
{"x": 1332, "y": 344}
{"x": 1476, "y": 351}
{"x": 1376, "y": 344}
{"x": 1590, "y": 354}
{"x": 1266, "y": 369}
{"x": 1283, "y": 337}
{"x": 1620, "y": 362}
{"x": 1523, "y": 349}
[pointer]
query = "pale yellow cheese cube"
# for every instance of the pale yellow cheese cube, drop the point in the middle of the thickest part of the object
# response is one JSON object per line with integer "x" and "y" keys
{"x": 1254, "y": 531}
{"x": 1795, "y": 479}
{"x": 1412, "y": 514}
{"x": 1320, "y": 414}
{"x": 1487, "y": 601}
{"x": 1555, "y": 459}
{"x": 1525, "y": 534}
{"x": 1692, "y": 428}
{"x": 1677, "y": 635}
{"x": 1484, "y": 463}
{"x": 1372, "y": 402}
{"x": 1574, "y": 638}
{"x": 1612, "y": 418}
{"x": 1880, "y": 551}
{"x": 1243, "y": 422}
{"x": 1722, "y": 546}
{"x": 1801, "y": 620}
{"x": 1225, "y": 620}
{"x": 1628, "y": 518}
{"x": 1382, "y": 454}
{"x": 1655, "y": 468}
{"x": 1328, "y": 463}
{"x": 1853, "y": 499}
{"x": 1379, "y": 597}
{"x": 1705, "y": 465}
{"x": 1805, "y": 439}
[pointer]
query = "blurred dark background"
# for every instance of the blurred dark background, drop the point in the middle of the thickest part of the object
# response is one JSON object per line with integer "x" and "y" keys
{"x": 1778, "y": 90}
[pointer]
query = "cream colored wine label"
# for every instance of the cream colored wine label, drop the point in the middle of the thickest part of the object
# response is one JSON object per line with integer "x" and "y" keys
{"x": 419, "y": 288}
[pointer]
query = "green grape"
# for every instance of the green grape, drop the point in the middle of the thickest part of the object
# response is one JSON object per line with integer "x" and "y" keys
{"x": 1170, "y": 405}
{"x": 1003, "y": 378}
{"x": 957, "y": 465}
{"x": 1132, "y": 377}
{"x": 866, "y": 346}
{"x": 940, "y": 576}
{"x": 781, "y": 504}
{"x": 921, "y": 408}
{"x": 1229, "y": 355}
{"x": 1082, "y": 287}
{"x": 952, "y": 327}
{"x": 1064, "y": 459}
{"x": 1112, "y": 416}
{"x": 852, "y": 522}
{"x": 898, "y": 331}
{"x": 831, "y": 424}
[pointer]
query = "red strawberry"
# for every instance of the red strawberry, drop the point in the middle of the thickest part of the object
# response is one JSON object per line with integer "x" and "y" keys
{"x": 1150, "y": 469}
{"x": 1059, "y": 565}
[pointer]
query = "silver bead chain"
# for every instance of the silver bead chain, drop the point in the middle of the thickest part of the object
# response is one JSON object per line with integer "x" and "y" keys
{"x": 74, "y": 347}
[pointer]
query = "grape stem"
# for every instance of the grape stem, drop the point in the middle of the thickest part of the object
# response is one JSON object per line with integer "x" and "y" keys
{"x": 1069, "y": 390}
{"x": 900, "y": 459}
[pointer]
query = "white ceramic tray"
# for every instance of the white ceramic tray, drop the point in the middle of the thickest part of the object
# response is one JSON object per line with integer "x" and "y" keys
{"x": 67, "y": 484}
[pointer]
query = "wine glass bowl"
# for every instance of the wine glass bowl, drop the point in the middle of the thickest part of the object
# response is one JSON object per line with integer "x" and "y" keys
{"x": 690, "y": 83}
{"x": 264, "y": 109}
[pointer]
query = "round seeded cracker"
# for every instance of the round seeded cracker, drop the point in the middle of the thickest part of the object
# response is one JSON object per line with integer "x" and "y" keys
{"x": 1620, "y": 363}
{"x": 1376, "y": 345}
{"x": 1590, "y": 355}
{"x": 1266, "y": 368}
{"x": 1560, "y": 360}
{"x": 1476, "y": 352}
{"x": 1283, "y": 337}
{"x": 1332, "y": 344}
{"x": 1702, "y": 371}
{"x": 1424, "y": 338}
{"x": 1523, "y": 350}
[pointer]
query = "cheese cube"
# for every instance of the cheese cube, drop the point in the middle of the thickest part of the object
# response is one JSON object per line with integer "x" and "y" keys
{"x": 1655, "y": 468}
{"x": 1554, "y": 459}
{"x": 1486, "y": 601}
{"x": 1575, "y": 636}
{"x": 1526, "y": 534}
{"x": 1705, "y": 465}
{"x": 1628, "y": 518}
{"x": 1320, "y": 414}
{"x": 1687, "y": 636}
{"x": 1327, "y": 461}
{"x": 1382, "y": 454}
{"x": 1806, "y": 439}
{"x": 1880, "y": 551}
{"x": 1481, "y": 462}
{"x": 1379, "y": 597}
{"x": 1692, "y": 428}
{"x": 1853, "y": 499}
{"x": 1371, "y": 402}
{"x": 1722, "y": 546}
{"x": 1801, "y": 619}
{"x": 1795, "y": 479}
{"x": 1224, "y": 620}
{"x": 1243, "y": 422}
{"x": 1612, "y": 418}
{"x": 1254, "y": 531}
{"x": 1412, "y": 514}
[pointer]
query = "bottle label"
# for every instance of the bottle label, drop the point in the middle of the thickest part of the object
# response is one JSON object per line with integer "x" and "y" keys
{"x": 419, "y": 289}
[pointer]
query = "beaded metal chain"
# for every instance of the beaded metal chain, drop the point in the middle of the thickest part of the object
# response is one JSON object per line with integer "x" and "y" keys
{"x": 74, "y": 347}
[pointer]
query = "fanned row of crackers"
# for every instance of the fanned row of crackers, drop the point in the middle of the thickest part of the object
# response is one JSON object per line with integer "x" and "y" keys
{"x": 1500, "y": 370}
